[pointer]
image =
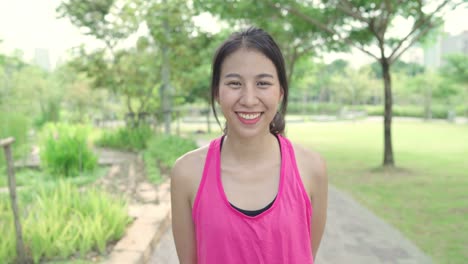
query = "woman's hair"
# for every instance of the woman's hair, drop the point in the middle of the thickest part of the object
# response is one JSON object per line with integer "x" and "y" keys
{"x": 254, "y": 39}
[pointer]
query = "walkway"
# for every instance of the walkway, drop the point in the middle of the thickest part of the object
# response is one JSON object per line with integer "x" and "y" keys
{"x": 353, "y": 235}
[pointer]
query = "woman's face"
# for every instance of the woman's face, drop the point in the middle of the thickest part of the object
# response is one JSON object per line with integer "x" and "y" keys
{"x": 249, "y": 92}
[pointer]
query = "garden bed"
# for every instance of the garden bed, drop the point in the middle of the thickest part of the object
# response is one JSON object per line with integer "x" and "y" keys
{"x": 65, "y": 219}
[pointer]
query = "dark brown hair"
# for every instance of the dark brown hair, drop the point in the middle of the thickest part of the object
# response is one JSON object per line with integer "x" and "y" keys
{"x": 259, "y": 40}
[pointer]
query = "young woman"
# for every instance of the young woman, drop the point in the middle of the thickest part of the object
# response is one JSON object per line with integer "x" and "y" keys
{"x": 250, "y": 196}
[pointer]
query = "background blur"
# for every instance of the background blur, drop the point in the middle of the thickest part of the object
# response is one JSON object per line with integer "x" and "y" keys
{"x": 81, "y": 77}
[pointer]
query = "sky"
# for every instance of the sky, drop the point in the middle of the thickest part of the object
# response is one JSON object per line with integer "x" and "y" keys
{"x": 31, "y": 24}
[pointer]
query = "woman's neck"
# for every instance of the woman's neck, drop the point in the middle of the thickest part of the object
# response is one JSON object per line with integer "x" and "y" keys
{"x": 250, "y": 150}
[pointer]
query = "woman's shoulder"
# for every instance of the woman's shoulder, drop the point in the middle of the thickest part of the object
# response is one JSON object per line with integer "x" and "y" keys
{"x": 190, "y": 162}
{"x": 187, "y": 171}
{"x": 312, "y": 166}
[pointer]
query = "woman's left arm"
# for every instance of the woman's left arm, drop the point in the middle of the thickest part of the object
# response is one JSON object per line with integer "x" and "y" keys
{"x": 319, "y": 199}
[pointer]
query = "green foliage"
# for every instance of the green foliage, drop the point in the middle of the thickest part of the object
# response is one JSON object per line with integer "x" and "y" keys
{"x": 437, "y": 111}
{"x": 65, "y": 150}
{"x": 399, "y": 66}
{"x": 50, "y": 113}
{"x": 153, "y": 172}
{"x": 167, "y": 148}
{"x": 140, "y": 74}
{"x": 35, "y": 93}
{"x": 314, "y": 108}
{"x": 456, "y": 68}
{"x": 296, "y": 38}
{"x": 14, "y": 125}
{"x": 95, "y": 17}
{"x": 33, "y": 177}
{"x": 61, "y": 220}
{"x": 29, "y": 90}
{"x": 126, "y": 138}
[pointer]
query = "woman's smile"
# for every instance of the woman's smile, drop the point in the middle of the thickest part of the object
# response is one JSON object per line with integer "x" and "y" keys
{"x": 249, "y": 118}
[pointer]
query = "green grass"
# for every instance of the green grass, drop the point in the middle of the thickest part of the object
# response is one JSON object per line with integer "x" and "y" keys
{"x": 426, "y": 198}
{"x": 126, "y": 138}
{"x": 162, "y": 152}
{"x": 29, "y": 177}
{"x": 60, "y": 220}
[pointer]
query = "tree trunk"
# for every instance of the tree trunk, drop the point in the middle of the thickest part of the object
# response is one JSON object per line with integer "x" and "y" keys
{"x": 304, "y": 102}
{"x": 388, "y": 149}
{"x": 291, "y": 66}
{"x": 165, "y": 98}
{"x": 428, "y": 103}
{"x": 208, "y": 122}
{"x": 165, "y": 91}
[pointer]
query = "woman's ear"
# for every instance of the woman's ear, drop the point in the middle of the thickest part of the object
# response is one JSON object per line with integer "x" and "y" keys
{"x": 281, "y": 94}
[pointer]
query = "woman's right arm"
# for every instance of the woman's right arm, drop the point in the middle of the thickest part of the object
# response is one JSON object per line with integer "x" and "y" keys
{"x": 182, "y": 223}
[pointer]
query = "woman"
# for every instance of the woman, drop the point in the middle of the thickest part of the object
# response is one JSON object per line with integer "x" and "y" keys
{"x": 250, "y": 196}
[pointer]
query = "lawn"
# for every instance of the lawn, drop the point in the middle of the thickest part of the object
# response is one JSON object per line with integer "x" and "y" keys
{"x": 427, "y": 198}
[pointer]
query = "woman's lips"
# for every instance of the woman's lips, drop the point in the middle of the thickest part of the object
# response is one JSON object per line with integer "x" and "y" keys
{"x": 249, "y": 118}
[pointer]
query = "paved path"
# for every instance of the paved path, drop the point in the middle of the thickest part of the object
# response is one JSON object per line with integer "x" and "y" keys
{"x": 353, "y": 235}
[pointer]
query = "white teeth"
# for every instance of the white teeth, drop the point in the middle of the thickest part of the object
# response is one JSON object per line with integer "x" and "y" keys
{"x": 249, "y": 116}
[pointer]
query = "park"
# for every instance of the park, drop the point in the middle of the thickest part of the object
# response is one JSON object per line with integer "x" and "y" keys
{"x": 88, "y": 145}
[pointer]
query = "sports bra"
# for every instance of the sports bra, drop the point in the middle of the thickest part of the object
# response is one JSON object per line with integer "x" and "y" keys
{"x": 253, "y": 212}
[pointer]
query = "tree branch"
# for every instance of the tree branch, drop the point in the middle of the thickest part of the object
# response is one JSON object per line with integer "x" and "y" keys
{"x": 395, "y": 56}
{"x": 347, "y": 8}
{"x": 385, "y": 21}
{"x": 323, "y": 27}
{"x": 416, "y": 26}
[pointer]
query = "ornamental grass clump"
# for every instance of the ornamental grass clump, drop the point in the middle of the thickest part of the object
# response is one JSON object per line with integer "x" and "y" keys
{"x": 65, "y": 150}
{"x": 62, "y": 221}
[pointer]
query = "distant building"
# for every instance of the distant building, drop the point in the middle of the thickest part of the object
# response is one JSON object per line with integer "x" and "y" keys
{"x": 445, "y": 45}
{"x": 414, "y": 55}
{"x": 42, "y": 58}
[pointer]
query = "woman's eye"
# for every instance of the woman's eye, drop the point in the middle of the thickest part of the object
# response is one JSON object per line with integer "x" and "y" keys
{"x": 263, "y": 84}
{"x": 234, "y": 84}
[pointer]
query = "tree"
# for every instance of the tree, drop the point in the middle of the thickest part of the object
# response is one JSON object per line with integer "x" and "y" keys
{"x": 368, "y": 24}
{"x": 456, "y": 68}
{"x": 296, "y": 39}
{"x": 130, "y": 75}
{"x": 455, "y": 73}
{"x": 171, "y": 29}
{"x": 424, "y": 85}
{"x": 168, "y": 47}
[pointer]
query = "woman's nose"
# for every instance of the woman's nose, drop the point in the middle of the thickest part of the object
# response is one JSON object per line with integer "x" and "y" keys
{"x": 249, "y": 96}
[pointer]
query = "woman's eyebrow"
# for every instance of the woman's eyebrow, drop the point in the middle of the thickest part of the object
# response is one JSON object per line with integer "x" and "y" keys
{"x": 264, "y": 75}
{"x": 261, "y": 75}
{"x": 232, "y": 75}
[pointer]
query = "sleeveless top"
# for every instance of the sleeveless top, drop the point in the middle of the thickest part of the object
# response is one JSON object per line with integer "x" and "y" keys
{"x": 281, "y": 234}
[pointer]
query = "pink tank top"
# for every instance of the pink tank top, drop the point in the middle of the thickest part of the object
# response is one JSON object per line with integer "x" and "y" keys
{"x": 280, "y": 234}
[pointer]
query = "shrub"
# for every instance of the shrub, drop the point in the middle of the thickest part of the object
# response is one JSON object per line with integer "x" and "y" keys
{"x": 461, "y": 110}
{"x": 163, "y": 151}
{"x": 314, "y": 108}
{"x": 152, "y": 169}
{"x": 126, "y": 138}
{"x": 168, "y": 148}
{"x": 50, "y": 113}
{"x": 60, "y": 220}
{"x": 17, "y": 126}
{"x": 65, "y": 150}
